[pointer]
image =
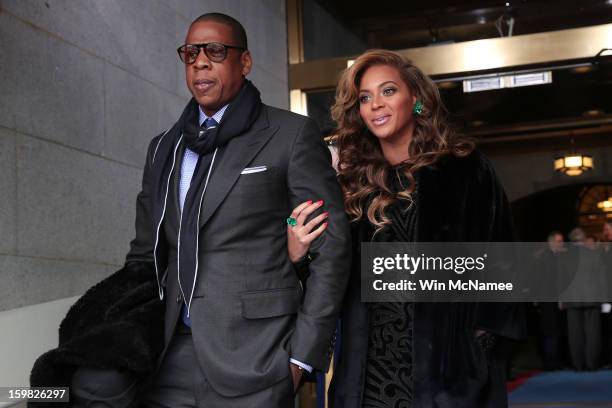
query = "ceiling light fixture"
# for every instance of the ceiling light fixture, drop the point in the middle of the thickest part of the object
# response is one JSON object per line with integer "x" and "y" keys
{"x": 446, "y": 84}
{"x": 582, "y": 69}
{"x": 573, "y": 164}
{"x": 592, "y": 113}
{"x": 605, "y": 205}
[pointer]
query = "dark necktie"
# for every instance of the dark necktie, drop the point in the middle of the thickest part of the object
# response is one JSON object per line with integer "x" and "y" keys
{"x": 191, "y": 160}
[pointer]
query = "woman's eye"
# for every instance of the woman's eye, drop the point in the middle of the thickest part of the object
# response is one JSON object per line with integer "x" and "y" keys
{"x": 388, "y": 91}
{"x": 364, "y": 98}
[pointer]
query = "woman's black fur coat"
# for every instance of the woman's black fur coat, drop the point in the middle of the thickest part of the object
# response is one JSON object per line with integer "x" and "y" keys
{"x": 459, "y": 200}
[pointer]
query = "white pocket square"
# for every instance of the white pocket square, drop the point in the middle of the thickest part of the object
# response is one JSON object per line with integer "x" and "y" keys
{"x": 257, "y": 169}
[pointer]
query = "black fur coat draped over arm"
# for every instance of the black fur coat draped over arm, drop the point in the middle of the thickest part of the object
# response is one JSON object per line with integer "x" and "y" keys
{"x": 116, "y": 324}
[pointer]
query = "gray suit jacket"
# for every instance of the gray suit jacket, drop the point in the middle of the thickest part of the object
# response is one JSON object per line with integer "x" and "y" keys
{"x": 248, "y": 316}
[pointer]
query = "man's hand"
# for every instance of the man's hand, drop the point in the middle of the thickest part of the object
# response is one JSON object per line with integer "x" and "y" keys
{"x": 296, "y": 375}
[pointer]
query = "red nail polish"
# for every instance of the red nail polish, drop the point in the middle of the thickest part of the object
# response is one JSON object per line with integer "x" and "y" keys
{"x": 325, "y": 223}
{"x": 326, "y": 213}
{"x": 309, "y": 202}
{"x": 320, "y": 202}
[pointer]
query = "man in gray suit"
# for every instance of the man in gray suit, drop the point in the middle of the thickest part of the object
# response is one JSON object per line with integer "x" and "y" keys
{"x": 217, "y": 189}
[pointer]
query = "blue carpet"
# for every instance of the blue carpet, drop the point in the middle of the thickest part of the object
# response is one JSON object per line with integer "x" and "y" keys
{"x": 565, "y": 389}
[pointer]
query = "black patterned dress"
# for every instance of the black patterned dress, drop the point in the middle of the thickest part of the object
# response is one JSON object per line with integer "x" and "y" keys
{"x": 388, "y": 382}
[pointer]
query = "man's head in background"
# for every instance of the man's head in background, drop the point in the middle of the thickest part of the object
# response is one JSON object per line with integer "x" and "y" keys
{"x": 577, "y": 235}
{"x": 555, "y": 241}
{"x": 607, "y": 232}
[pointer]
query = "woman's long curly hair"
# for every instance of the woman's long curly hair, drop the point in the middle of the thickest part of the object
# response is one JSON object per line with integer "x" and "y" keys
{"x": 363, "y": 171}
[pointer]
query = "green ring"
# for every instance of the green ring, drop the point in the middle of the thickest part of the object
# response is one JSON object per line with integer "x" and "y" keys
{"x": 291, "y": 221}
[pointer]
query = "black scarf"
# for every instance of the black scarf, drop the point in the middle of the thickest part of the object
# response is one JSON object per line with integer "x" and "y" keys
{"x": 244, "y": 109}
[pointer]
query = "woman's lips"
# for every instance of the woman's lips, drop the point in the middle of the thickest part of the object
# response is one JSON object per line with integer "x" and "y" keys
{"x": 203, "y": 85}
{"x": 381, "y": 120}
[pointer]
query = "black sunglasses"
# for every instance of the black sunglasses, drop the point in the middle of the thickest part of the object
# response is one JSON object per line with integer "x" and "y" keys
{"x": 216, "y": 52}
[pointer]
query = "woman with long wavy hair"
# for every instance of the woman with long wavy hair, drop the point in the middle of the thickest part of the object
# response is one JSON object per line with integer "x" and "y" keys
{"x": 407, "y": 177}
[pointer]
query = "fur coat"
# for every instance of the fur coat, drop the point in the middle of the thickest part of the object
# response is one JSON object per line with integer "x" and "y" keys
{"x": 458, "y": 200}
{"x": 118, "y": 323}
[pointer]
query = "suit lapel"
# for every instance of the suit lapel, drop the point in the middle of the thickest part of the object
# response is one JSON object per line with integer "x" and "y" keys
{"x": 237, "y": 154}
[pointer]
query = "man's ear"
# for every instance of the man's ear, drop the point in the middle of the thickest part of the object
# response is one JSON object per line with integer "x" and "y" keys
{"x": 246, "y": 62}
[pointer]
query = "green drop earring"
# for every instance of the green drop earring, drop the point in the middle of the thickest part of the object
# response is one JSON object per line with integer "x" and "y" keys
{"x": 417, "y": 108}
